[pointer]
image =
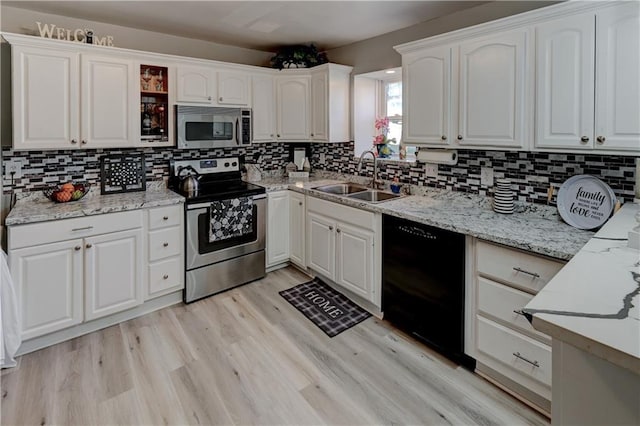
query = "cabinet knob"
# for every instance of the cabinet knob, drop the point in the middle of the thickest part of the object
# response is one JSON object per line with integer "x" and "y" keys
{"x": 601, "y": 139}
{"x": 165, "y": 244}
{"x": 73, "y": 141}
{"x": 338, "y": 230}
{"x": 165, "y": 277}
{"x": 277, "y": 136}
{"x": 271, "y": 135}
{"x": 77, "y": 248}
{"x": 331, "y": 228}
{"x": 311, "y": 134}
{"x": 83, "y": 142}
{"x": 220, "y": 99}
{"x": 209, "y": 98}
{"x": 165, "y": 218}
{"x": 299, "y": 203}
{"x": 459, "y": 137}
{"x": 444, "y": 138}
{"x": 88, "y": 246}
{"x": 584, "y": 139}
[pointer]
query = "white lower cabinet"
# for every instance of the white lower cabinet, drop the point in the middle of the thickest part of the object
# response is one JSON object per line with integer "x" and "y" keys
{"x": 297, "y": 229}
{"x": 277, "y": 228}
{"x": 507, "y": 348}
{"x": 343, "y": 245}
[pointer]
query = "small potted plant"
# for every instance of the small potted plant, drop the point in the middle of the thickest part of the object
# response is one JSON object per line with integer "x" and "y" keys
{"x": 298, "y": 56}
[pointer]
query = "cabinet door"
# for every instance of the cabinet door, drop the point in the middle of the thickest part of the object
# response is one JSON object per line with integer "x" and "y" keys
{"x": 277, "y": 228}
{"x": 319, "y": 107}
{"x": 113, "y": 273}
{"x": 491, "y": 91}
{"x": 321, "y": 244}
{"x": 263, "y": 108}
{"x": 46, "y": 99}
{"x": 49, "y": 282}
{"x": 108, "y": 102}
{"x": 565, "y": 83}
{"x": 292, "y": 97}
{"x": 354, "y": 266}
{"x": 618, "y": 78}
{"x": 297, "y": 213}
{"x": 427, "y": 94}
{"x": 233, "y": 88}
{"x": 195, "y": 85}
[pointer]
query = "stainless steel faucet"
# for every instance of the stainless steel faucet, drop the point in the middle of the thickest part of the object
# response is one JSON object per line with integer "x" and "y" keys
{"x": 375, "y": 183}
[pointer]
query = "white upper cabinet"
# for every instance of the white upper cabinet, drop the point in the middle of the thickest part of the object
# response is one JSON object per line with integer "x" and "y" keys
{"x": 492, "y": 89}
{"x": 65, "y": 100}
{"x": 427, "y": 94}
{"x": 46, "y": 98}
{"x": 196, "y": 84}
{"x": 617, "y": 125}
{"x": 565, "y": 82}
{"x": 233, "y": 88}
{"x": 319, "y": 107}
{"x": 264, "y": 108}
{"x": 293, "y": 108}
{"x": 108, "y": 87}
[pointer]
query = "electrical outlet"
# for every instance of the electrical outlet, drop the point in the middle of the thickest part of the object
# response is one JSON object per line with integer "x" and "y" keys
{"x": 13, "y": 167}
{"x": 486, "y": 176}
{"x": 431, "y": 170}
{"x": 322, "y": 158}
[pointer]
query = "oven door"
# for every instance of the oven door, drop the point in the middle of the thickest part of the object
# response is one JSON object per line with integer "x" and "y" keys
{"x": 202, "y": 252}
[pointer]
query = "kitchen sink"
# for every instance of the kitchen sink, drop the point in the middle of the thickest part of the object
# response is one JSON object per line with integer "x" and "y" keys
{"x": 341, "y": 188}
{"x": 374, "y": 196}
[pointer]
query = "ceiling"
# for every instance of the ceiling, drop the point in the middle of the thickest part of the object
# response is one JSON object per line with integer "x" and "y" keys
{"x": 261, "y": 25}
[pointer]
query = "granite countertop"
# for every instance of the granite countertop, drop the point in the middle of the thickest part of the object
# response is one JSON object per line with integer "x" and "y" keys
{"x": 35, "y": 207}
{"x": 535, "y": 228}
{"x": 593, "y": 303}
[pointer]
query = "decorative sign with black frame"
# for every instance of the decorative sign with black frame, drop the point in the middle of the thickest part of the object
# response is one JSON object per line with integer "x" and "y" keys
{"x": 122, "y": 173}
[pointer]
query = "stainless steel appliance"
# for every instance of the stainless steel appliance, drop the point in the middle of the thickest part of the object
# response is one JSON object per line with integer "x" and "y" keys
{"x": 215, "y": 265}
{"x": 423, "y": 284}
{"x": 212, "y": 127}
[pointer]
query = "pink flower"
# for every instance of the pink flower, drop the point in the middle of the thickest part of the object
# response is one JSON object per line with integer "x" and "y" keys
{"x": 379, "y": 139}
{"x": 382, "y": 123}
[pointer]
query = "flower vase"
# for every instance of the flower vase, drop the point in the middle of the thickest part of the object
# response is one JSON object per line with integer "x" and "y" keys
{"x": 383, "y": 150}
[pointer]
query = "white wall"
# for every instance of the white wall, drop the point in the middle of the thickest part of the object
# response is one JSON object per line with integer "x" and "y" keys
{"x": 365, "y": 101}
{"x": 22, "y": 21}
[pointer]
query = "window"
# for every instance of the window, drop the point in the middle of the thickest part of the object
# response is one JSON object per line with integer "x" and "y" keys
{"x": 392, "y": 108}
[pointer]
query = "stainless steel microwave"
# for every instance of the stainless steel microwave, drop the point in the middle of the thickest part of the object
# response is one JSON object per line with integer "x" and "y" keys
{"x": 212, "y": 127}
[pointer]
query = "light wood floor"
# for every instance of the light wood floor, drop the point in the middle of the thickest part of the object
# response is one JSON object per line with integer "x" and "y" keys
{"x": 248, "y": 357}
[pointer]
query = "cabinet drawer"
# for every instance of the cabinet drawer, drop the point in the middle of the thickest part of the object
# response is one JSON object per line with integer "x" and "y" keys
{"x": 163, "y": 217}
{"x": 69, "y": 229}
{"x": 511, "y": 349}
{"x": 342, "y": 213}
{"x": 164, "y": 243}
{"x": 500, "y": 302}
{"x": 166, "y": 275}
{"x": 514, "y": 267}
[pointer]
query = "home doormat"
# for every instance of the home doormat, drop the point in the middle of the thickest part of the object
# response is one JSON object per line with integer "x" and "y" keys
{"x": 327, "y": 308}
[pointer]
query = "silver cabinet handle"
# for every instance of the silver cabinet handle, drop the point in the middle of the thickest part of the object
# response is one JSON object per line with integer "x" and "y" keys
{"x": 534, "y": 363}
{"x": 331, "y": 228}
{"x": 459, "y": 137}
{"x": 166, "y": 277}
{"x": 165, "y": 244}
{"x": 83, "y": 142}
{"x": 86, "y": 228}
{"x": 73, "y": 141}
{"x": 77, "y": 248}
{"x": 88, "y": 246}
{"x": 444, "y": 138}
{"x": 601, "y": 139}
{"x": 533, "y": 274}
{"x": 165, "y": 218}
{"x": 584, "y": 139}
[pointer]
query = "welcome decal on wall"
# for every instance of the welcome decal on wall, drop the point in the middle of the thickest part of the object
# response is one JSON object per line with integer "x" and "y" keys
{"x": 78, "y": 35}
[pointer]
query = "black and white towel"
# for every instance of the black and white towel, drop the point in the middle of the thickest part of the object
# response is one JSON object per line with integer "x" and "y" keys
{"x": 231, "y": 218}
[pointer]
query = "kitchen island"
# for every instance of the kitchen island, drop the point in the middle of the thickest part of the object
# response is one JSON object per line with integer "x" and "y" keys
{"x": 591, "y": 309}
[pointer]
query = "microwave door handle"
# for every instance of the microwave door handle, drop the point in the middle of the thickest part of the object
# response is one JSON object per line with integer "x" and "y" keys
{"x": 237, "y": 131}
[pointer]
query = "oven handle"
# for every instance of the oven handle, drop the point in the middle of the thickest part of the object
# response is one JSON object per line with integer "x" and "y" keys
{"x": 207, "y": 205}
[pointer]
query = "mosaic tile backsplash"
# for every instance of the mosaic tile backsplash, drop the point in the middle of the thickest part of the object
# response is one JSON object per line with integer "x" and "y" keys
{"x": 531, "y": 173}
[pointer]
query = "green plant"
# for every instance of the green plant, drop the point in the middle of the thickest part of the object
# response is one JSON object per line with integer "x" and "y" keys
{"x": 300, "y": 56}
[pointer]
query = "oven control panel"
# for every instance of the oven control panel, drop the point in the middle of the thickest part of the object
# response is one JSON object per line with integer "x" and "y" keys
{"x": 210, "y": 165}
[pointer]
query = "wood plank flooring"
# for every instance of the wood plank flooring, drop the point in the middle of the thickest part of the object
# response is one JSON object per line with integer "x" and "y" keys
{"x": 248, "y": 357}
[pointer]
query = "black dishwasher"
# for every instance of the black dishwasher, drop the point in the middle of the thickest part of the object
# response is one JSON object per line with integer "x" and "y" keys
{"x": 423, "y": 284}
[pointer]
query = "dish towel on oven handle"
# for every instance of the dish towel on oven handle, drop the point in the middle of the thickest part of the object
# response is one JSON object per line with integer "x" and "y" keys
{"x": 230, "y": 218}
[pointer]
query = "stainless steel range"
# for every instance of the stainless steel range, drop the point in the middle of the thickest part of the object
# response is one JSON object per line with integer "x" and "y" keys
{"x": 225, "y": 225}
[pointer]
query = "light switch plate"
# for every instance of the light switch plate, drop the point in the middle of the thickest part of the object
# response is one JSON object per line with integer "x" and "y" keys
{"x": 486, "y": 176}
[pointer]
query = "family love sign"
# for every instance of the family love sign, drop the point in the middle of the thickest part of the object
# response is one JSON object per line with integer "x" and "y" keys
{"x": 585, "y": 202}
{"x": 78, "y": 35}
